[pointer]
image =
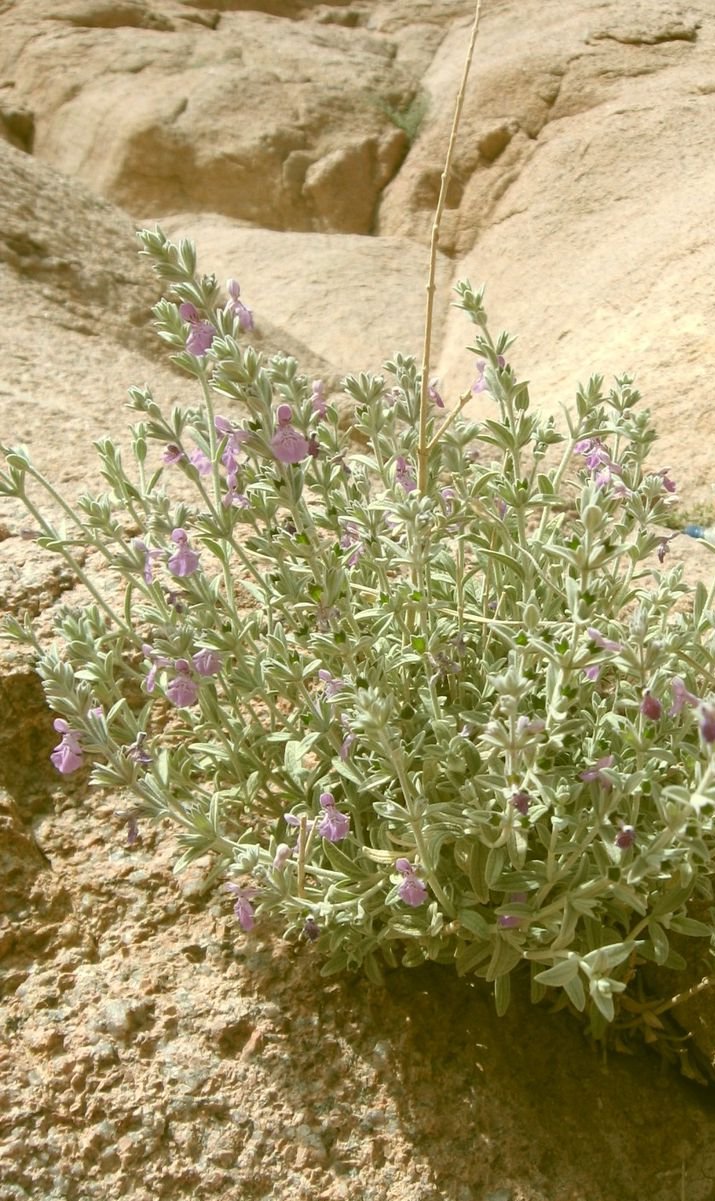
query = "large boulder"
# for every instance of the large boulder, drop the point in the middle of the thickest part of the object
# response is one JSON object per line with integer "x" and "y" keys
{"x": 285, "y": 124}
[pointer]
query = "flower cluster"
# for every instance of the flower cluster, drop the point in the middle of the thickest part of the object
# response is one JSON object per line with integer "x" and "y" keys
{"x": 426, "y": 699}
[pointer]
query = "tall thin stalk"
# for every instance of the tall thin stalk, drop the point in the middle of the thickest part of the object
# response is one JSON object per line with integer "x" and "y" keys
{"x": 423, "y": 448}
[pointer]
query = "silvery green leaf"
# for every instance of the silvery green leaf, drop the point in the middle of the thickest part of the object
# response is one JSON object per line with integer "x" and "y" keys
{"x": 561, "y": 973}
{"x": 505, "y": 956}
{"x": 603, "y": 959}
{"x": 576, "y": 993}
{"x": 691, "y": 926}
{"x": 502, "y": 993}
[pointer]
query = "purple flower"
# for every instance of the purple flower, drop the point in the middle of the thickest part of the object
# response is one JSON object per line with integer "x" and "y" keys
{"x": 412, "y": 890}
{"x": 68, "y": 755}
{"x": 282, "y": 855}
{"x": 512, "y": 921}
{"x": 184, "y": 560}
{"x": 348, "y": 739}
{"x": 182, "y": 691}
{"x": 448, "y": 497}
{"x": 317, "y": 399}
{"x": 201, "y": 333}
{"x": 173, "y": 453}
{"x": 599, "y": 462}
{"x": 234, "y": 441}
{"x": 595, "y": 773}
{"x": 403, "y": 475}
{"x": 206, "y": 662}
{"x": 480, "y": 383}
{"x": 605, "y": 644}
{"x": 434, "y": 395}
{"x": 668, "y": 484}
{"x": 625, "y": 837}
{"x": 350, "y": 540}
{"x": 530, "y": 725}
{"x": 593, "y": 672}
{"x": 149, "y": 558}
{"x": 333, "y": 825}
{"x": 707, "y": 724}
{"x": 236, "y": 306}
{"x": 242, "y": 906}
{"x": 157, "y": 661}
{"x": 520, "y": 801}
{"x": 135, "y": 751}
{"x": 287, "y": 444}
{"x": 332, "y": 685}
{"x": 132, "y": 830}
{"x": 200, "y": 461}
{"x": 681, "y": 697}
{"x": 651, "y": 706}
{"x": 238, "y": 500}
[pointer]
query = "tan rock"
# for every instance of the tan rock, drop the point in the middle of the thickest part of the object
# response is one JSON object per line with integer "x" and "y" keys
{"x": 152, "y": 110}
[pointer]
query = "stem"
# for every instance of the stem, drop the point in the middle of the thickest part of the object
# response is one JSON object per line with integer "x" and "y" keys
{"x": 81, "y": 576}
{"x": 395, "y": 757}
{"x": 423, "y": 449}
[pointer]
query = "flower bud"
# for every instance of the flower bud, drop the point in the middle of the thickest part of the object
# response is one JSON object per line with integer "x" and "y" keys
{"x": 651, "y": 706}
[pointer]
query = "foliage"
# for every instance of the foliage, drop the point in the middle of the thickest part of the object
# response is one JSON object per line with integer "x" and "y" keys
{"x": 471, "y": 723}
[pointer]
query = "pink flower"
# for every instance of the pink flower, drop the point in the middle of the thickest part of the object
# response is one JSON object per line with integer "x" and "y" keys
{"x": 157, "y": 661}
{"x": 200, "y": 461}
{"x": 707, "y": 724}
{"x": 243, "y": 907}
{"x": 317, "y": 399}
{"x": 681, "y": 697}
{"x": 403, "y": 474}
{"x": 412, "y": 890}
{"x": 237, "y": 307}
{"x": 201, "y": 333}
{"x": 283, "y": 853}
{"x": 434, "y": 395}
{"x": 149, "y": 557}
{"x": 68, "y": 755}
{"x": 605, "y": 644}
{"x": 595, "y": 773}
{"x": 332, "y": 685}
{"x": 287, "y": 444}
{"x": 184, "y": 561}
{"x": 333, "y": 825}
{"x": 182, "y": 691}
{"x": 668, "y": 484}
{"x": 173, "y": 453}
{"x": 480, "y": 383}
{"x": 206, "y": 662}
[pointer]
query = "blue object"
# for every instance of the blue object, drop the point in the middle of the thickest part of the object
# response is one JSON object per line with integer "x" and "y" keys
{"x": 707, "y": 533}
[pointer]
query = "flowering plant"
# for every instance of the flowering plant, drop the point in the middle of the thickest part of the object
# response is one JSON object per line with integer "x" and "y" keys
{"x": 430, "y": 693}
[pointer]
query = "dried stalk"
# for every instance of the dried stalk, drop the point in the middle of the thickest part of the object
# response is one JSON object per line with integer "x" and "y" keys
{"x": 423, "y": 448}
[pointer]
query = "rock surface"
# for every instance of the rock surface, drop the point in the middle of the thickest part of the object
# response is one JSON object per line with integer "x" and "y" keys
{"x": 147, "y": 1049}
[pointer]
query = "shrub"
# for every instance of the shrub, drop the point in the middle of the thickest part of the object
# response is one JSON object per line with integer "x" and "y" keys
{"x": 432, "y": 696}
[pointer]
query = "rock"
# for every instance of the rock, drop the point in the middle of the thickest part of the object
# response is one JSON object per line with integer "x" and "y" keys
{"x": 219, "y": 121}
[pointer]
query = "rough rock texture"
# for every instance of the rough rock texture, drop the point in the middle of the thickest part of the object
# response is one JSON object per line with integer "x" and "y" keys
{"x": 225, "y": 114}
{"x": 146, "y": 1049}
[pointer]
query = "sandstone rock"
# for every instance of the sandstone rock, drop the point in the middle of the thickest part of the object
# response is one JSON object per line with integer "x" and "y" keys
{"x": 150, "y": 109}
